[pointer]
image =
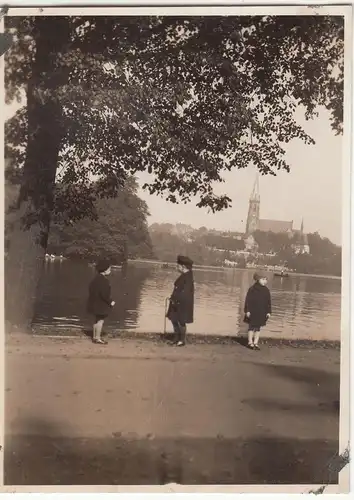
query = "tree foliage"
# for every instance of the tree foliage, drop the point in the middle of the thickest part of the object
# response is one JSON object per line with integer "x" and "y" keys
{"x": 167, "y": 245}
{"x": 120, "y": 231}
{"x": 269, "y": 242}
{"x": 185, "y": 99}
{"x": 325, "y": 257}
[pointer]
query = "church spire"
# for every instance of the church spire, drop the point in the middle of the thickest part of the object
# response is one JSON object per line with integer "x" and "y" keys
{"x": 302, "y": 226}
{"x": 253, "y": 209}
{"x": 255, "y": 196}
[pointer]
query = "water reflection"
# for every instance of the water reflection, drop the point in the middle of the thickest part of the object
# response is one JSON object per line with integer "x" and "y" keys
{"x": 62, "y": 297}
{"x": 303, "y": 307}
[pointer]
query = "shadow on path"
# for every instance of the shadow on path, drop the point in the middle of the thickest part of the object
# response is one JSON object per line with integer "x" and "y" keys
{"x": 323, "y": 385}
{"x": 43, "y": 457}
{"x": 288, "y": 405}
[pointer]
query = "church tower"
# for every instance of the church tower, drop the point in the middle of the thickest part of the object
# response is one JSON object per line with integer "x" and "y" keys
{"x": 253, "y": 209}
{"x": 304, "y": 239}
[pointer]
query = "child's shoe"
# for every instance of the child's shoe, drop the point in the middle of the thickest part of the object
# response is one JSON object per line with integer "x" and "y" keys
{"x": 100, "y": 341}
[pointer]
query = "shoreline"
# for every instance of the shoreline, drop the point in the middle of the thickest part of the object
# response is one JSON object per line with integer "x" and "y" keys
{"x": 193, "y": 339}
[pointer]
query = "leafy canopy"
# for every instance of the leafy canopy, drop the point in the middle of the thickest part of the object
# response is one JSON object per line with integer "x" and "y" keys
{"x": 184, "y": 99}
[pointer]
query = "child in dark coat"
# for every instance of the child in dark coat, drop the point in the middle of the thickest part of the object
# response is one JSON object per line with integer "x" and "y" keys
{"x": 99, "y": 301}
{"x": 258, "y": 308}
{"x": 181, "y": 307}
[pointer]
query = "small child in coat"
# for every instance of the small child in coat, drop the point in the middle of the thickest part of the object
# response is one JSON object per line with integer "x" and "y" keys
{"x": 100, "y": 301}
{"x": 181, "y": 308}
{"x": 258, "y": 308}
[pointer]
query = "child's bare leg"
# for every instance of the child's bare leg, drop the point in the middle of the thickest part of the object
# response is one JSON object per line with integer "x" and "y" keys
{"x": 94, "y": 331}
{"x": 256, "y": 338}
{"x": 250, "y": 337}
{"x": 99, "y": 326}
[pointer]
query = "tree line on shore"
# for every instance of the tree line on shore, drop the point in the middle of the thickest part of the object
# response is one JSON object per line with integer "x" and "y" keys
{"x": 121, "y": 231}
{"x": 210, "y": 247}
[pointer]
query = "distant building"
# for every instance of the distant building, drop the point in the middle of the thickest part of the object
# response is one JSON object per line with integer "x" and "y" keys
{"x": 301, "y": 244}
{"x": 255, "y": 223}
{"x": 250, "y": 243}
{"x": 275, "y": 226}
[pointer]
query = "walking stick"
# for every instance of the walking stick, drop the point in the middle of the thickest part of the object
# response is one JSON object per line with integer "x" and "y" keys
{"x": 164, "y": 318}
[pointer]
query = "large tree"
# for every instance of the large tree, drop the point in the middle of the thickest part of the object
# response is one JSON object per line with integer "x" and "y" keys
{"x": 182, "y": 98}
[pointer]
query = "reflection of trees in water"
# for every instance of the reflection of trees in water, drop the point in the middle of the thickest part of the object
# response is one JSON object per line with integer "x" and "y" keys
{"x": 64, "y": 289}
{"x": 301, "y": 295}
{"x": 216, "y": 285}
{"x": 230, "y": 278}
{"x": 298, "y": 298}
{"x": 302, "y": 304}
{"x": 311, "y": 294}
{"x": 127, "y": 285}
{"x": 323, "y": 285}
{"x": 314, "y": 302}
{"x": 307, "y": 284}
{"x": 283, "y": 291}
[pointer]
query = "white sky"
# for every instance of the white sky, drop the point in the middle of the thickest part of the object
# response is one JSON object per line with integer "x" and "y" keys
{"x": 311, "y": 190}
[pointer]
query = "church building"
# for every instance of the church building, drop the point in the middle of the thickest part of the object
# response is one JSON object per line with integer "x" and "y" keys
{"x": 255, "y": 223}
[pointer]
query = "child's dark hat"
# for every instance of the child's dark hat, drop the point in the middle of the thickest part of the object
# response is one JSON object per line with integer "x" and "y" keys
{"x": 103, "y": 265}
{"x": 185, "y": 261}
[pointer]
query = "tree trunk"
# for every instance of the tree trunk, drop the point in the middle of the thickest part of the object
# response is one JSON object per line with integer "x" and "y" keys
{"x": 28, "y": 240}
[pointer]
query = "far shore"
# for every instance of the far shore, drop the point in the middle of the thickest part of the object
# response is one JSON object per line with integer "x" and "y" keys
{"x": 225, "y": 268}
{"x": 217, "y": 268}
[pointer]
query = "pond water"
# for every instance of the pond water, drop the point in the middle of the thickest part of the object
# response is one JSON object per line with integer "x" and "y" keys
{"x": 303, "y": 307}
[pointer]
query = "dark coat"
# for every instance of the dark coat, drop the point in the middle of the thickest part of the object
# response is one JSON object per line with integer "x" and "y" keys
{"x": 181, "y": 308}
{"x": 258, "y": 303}
{"x": 99, "y": 300}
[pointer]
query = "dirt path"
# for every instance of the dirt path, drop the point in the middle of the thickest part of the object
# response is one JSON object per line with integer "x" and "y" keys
{"x": 147, "y": 413}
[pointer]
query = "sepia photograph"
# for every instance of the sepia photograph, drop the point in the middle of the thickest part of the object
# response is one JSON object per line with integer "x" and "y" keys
{"x": 176, "y": 246}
